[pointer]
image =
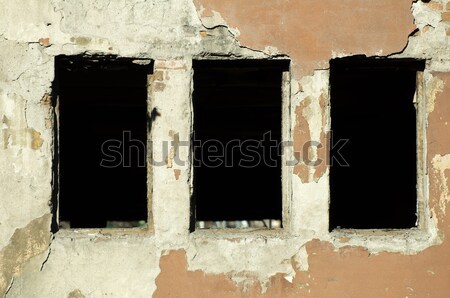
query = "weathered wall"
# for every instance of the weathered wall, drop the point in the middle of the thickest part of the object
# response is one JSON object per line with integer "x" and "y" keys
{"x": 304, "y": 260}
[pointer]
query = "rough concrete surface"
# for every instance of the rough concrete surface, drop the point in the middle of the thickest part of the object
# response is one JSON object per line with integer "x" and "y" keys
{"x": 301, "y": 260}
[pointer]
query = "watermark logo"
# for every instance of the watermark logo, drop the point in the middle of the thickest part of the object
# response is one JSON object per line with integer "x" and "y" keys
{"x": 213, "y": 153}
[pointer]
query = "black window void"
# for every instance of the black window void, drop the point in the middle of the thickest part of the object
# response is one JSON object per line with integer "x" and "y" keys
{"x": 373, "y": 173}
{"x": 237, "y": 134}
{"x": 102, "y": 135}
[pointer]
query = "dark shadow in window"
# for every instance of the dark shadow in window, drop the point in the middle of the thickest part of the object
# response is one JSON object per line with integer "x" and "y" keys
{"x": 237, "y": 103}
{"x": 372, "y": 107}
{"x": 102, "y": 141}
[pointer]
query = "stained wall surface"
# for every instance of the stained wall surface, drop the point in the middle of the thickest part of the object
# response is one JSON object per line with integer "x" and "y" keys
{"x": 302, "y": 260}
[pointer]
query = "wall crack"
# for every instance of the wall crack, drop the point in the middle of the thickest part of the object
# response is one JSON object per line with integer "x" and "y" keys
{"x": 48, "y": 254}
{"x": 9, "y": 287}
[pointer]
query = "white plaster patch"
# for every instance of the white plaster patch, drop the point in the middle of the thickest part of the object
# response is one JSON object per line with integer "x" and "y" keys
{"x": 431, "y": 41}
{"x": 314, "y": 87}
{"x": 171, "y": 199}
{"x": 424, "y": 15}
{"x": 339, "y": 53}
{"x": 310, "y": 207}
{"x": 301, "y": 259}
{"x": 239, "y": 253}
{"x": 213, "y": 20}
{"x": 97, "y": 266}
{"x": 441, "y": 164}
{"x": 434, "y": 85}
{"x": 270, "y": 50}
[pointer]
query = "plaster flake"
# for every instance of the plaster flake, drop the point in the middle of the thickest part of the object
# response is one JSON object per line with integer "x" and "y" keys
{"x": 258, "y": 256}
{"x": 431, "y": 39}
{"x": 313, "y": 114}
{"x": 129, "y": 24}
{"x": 301, "y": 261}
{"x": 12, "y": 109}
{"x": 28, "y": 172}
{"x": 424, "y": 15}
{"x": 311, "y": 120}
{"x": 442, "y": 164}
{"x": 98, "y": 266}
{"x": 272, "y": 51}
{"x": 26, "y": 179}
{"x": 76, "y": 294}
{"x": 434, "y": 86}
{"x": 310, "y": 213}
{"x": 25, "y": 243}
{"x": 213, "y": 19}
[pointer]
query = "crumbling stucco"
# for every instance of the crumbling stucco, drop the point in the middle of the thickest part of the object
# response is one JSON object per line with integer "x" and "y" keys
{"x": 25, "y": 243}
{"x": 349, "y": 271}
{"x": 310, "y": 31}
{"x": 438, "y": 148}
{"x": 76, "y": 294}
{"x": 303, "y": 259}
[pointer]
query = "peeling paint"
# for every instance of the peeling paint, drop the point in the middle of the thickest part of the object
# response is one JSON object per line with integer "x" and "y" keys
{"x": 155, "y": 82}
{"x": 322, "y": 151}
{"x": 331, "y": 271}
{"x": 81, "y": 40}
{"x": 309, "y": 31}
{"x": 189, "y": 284}
{"x": 45, "y": 42}
{"x": 173, "y": 149}
{"x": 158, "y": 86}
{"x": 76, "y": 294}
{"x": 36, "y": 141}
{"x": 434, "y": 86}
{"x": 301, "y": 136}
{"x": 441, "y": 165}
{"x": 177, "y": 173}
{"x": 27, "y": 242}
{"x": 301, "y": 260}
{"x": 439, "y": 144}
{"x": 25, "y": 138}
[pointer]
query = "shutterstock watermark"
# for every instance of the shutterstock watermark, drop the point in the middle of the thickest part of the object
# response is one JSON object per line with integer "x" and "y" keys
{"x": 213, "y": 153}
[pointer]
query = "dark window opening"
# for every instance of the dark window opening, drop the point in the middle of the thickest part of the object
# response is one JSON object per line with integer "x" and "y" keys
{"x": 237, "y": 132}
{"x": 372, "y": 107}
{"x": 102, "y": 135}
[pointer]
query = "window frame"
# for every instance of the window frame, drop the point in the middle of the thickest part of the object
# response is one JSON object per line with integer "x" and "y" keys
{"x": 55, "y": 200}
{"x": 424, "y": 223}
{"x": 286, "y": 158}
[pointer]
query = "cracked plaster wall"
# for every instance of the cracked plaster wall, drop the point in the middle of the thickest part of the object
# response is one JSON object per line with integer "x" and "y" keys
{"x": 302, "y": 261}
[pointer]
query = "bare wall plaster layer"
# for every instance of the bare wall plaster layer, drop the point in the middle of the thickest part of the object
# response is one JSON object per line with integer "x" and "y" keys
{"x": 304, "y": 260}
{"x": 309, "y": 31}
